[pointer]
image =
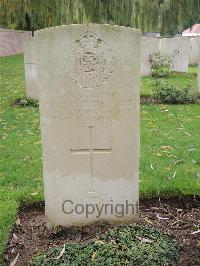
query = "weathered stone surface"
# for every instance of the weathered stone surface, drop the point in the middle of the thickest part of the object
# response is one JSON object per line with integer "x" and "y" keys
{"x": 149, "y": 47}
{"x": 11, "y": 41}
{"x": 30, "y": 68}
{"x": 88, "y": 77}
{"x": 194, "y": 50}
{"x": 178, "y": 48}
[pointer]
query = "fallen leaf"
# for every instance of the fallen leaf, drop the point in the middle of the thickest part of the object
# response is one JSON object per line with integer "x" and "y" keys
{"x": 94, "y": 255}
{"x": 5, "y": 136}
{"x": 161, "y": 218}
{"x": 175, "y": 222}
{"x": 148, "y": 220}
{"x": 191, "y": 150}
{"x": 195, "y": 232}
{"x": 34, "y": 193}
{"x": 15, "y": 260}
{"x": 18, "y": 221}
{"x": 174, "y": 174}
{"x": 186, "y": 133}
{"x": 166, "y": 148}
{"x": 158, "y": 154}
{"x": 144, "y": 240}
{"x": 154, "y": 208}
{"x": 61, "y": 253}
{"x": 15, "y": 236}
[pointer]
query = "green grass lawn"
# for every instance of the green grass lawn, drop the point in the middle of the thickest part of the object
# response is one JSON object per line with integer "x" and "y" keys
{"x": 179, "y": 79}
{"x": 170, "y": 146}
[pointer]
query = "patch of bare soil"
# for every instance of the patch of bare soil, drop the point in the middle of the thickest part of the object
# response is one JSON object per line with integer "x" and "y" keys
{"x": 153, "y": 100}
{"x": 179, "y": 218}
{"x": 149, "y": 100}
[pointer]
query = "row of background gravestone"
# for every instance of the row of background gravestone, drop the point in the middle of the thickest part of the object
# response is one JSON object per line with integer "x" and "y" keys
{"x": 179, "y": 47}
{"x": 11, "y": 41}
{"x": 183, "y": 49}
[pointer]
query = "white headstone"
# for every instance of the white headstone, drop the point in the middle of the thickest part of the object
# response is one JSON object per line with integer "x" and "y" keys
{"x": 194, "y": 50}
{"x": 178, "y": 48}
{"x": 89, "y": 79}
{"x": 149, "y": 47}
{"x": 30, "y": 68}
{"x": 11, "y": 41}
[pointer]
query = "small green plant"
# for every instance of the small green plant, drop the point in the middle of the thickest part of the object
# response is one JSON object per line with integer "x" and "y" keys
{"x": 193, "y": 65}
{"x": 26, "y": 102}
{"x": 169, "y": 94}
{"x": 160, "y": 65}
{"x": 124, "y": 245}
{"x": 12, "y": 26}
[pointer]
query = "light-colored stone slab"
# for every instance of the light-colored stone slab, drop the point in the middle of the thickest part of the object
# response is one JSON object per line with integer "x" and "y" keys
{"x": 194, "y": 50}
{"x": 178, "y": 48}
{"x": 30, "y": 67}
{"x": 11, "y": 41}
{"x": 149, "y": 47}
{"x": 88, "y": 77}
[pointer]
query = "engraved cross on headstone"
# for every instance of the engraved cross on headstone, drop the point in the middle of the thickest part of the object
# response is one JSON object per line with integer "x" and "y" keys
{"x": 91, "y": 150}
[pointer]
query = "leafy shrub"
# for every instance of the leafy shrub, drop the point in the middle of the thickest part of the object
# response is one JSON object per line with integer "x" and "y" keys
{"x": 160, "y": 65}
{"x": 125, "y": 245}
{"x": 193, "y": 65}
{"x": 170, "y": 94}
{"x": 26, "y": 102}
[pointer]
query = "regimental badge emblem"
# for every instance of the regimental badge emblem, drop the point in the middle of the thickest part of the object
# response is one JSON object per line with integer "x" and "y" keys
{"x": 91, "y": 61}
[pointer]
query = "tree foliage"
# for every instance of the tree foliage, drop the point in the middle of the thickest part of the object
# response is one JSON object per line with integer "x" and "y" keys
{"x": 165, "y": 16}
